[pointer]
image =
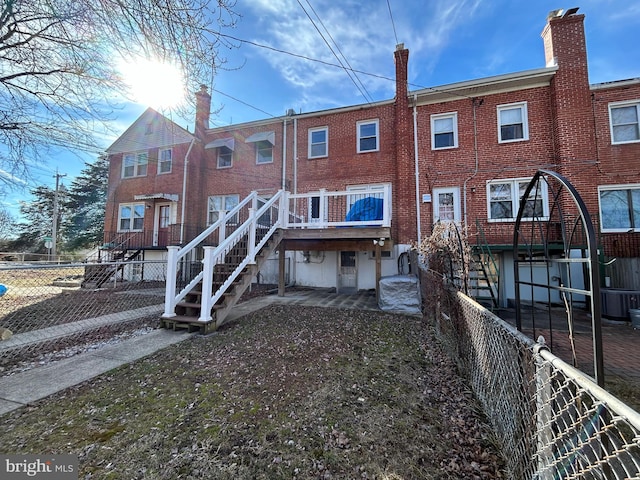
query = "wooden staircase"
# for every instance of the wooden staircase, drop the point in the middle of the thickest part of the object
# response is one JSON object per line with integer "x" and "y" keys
{"x": 188, "y": 310}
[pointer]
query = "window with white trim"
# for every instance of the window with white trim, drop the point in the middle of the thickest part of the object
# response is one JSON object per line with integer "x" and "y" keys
{"x": 513, "y": 122}
{"x": 264, "y": 152}
{"x": 368, "y": 136}
{"x": 503, "y": 199}
{"x": 225, "y": 157}
{"x": 624, "y": 122}
{"x": 164, "y": 161}
{"x": 134, "y": 164}
{"x": 444, "y": 131}
{"x": 131, "y": 217}
{"x": 217, "y": 203}
{"x": 619, "y": 208}
{"x": 318, "y": 142}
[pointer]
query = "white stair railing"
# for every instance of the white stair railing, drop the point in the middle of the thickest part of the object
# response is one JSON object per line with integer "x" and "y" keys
{"x": 268, "y": 216}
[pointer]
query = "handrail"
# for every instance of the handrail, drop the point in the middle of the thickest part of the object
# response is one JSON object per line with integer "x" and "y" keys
{"x": 216, "y": 225}
{"x": 214, "y": 255}
{"x": 324, "y": 208}
{"x": 483, "y": 246}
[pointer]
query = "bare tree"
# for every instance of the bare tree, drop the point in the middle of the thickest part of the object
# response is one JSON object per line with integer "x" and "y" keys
{"x": 59, "y": 82}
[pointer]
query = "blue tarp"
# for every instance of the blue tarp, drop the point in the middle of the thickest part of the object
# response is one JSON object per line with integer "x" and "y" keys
{"x": 368, "y": 208}
{"x": 3, "y": 290}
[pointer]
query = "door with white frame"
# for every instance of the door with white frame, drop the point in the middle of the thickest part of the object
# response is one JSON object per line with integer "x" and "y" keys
{"x": 446, "y": 204}
{"x": 347, "y": 272}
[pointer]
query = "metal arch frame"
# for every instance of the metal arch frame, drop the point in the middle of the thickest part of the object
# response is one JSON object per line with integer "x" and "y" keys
{"x": 590, "y": 260}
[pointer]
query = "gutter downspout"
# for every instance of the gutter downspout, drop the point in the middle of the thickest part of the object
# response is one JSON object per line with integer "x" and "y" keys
{"x": 475, "y": 153}
{"x": 184, "y": 190}
{"x": 284, "y": 154}
{"x": 417, "y": 169}
{"x": 293, "y": 276}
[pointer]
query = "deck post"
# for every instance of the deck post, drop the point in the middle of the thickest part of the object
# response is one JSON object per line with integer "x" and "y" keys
{"x": 378, "y": 270}
{"x": 283, "y": 212}
{"x": 251, "y": 240}
{"x": 170, "y": 285}
{"x": 281, "y": 272}
{"x": 207, "y": 284}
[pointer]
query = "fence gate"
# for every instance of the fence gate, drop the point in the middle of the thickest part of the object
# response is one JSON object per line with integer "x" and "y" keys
{"x": 556, "y": 260}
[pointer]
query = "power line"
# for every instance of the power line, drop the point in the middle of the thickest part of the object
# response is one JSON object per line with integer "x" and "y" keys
{"x": 323, "y": 62}
{"x": 392, "y": 23}
{"x": 363, "y": 90}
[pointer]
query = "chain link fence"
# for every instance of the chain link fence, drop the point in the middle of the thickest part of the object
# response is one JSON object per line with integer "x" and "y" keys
{"x": 553, "y": 421}
{"x": 54, "y": 310}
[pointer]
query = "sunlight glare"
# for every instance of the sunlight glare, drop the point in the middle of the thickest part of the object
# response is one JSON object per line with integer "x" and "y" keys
{"x": 152, "y": 83}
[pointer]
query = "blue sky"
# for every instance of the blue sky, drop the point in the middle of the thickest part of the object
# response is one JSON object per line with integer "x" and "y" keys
{"x": 448, "y": 40}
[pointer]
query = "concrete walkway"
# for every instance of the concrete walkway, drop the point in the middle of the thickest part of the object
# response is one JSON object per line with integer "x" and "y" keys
{"x": 32, "y": 385}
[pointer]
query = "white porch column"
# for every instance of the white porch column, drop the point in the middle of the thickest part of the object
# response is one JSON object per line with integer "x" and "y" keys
{"x": 170, "y": 285}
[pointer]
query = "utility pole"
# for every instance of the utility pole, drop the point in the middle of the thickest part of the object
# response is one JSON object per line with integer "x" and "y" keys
{"x": 54, "y": 227}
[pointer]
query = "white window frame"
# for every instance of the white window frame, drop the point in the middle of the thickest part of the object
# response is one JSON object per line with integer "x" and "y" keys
{"x": 223, "y": 152}
{"x": 522, "y": 106}
{"x": 263, "y": 146}
{"x": 139, "y": 207}
{"x": 138, "y": 162}
{"x": 626, "y": 104}
{"x": 234, "y": 199}
{"x": 360, "y": 137}
{"x": 311, "y": 144}
{"x": 515, "y": 184}
{"x": 457, "y": 211}
{"x": 444, "y": 116}
{"x": 165, "y": 157}
{"x": 609, "y": 216}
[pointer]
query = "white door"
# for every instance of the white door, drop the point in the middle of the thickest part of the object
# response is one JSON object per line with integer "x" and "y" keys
{"x": 446, "y": 204}
{"x": 347, "y": 272}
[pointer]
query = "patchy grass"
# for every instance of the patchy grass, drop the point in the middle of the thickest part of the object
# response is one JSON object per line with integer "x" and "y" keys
{"x": 286, "y": 392}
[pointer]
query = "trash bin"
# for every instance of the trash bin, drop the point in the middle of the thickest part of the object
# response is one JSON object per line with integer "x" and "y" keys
{"x": 634, "y": 313}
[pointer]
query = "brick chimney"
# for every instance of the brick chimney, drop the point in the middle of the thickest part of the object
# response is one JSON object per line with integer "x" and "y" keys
{"x": 203, "y": 110}
{"x": 404, "y": 197}
{"x": 565, "y": 46}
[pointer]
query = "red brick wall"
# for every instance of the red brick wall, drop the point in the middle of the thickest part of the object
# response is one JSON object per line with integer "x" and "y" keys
{"x": 457, "y": 166}
{"x": 123, "y": 190}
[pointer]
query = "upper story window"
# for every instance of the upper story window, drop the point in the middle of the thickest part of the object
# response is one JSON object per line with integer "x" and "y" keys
{"x": 264, "y": 142}
{"x": 619, "y": 208}
{"x": 513, "y": 124}
{"x": 318, "y": 142}
{"x": 164, "y": 161}
{"x": 368, "y": 136}
{"x": 225, "y": 157}
{"x": 623, "y": 117}
{"x": 134, "y": 165}
{"x": 131, "y": 217}
{"x": 503, "y": 199}
{"x": 444, "y": 131}
{"x": 218, "y": 203}
{"x": 264, "y": 152}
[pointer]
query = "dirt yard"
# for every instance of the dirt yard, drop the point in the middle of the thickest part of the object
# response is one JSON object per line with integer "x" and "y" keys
{"x": 285, "y": 392}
